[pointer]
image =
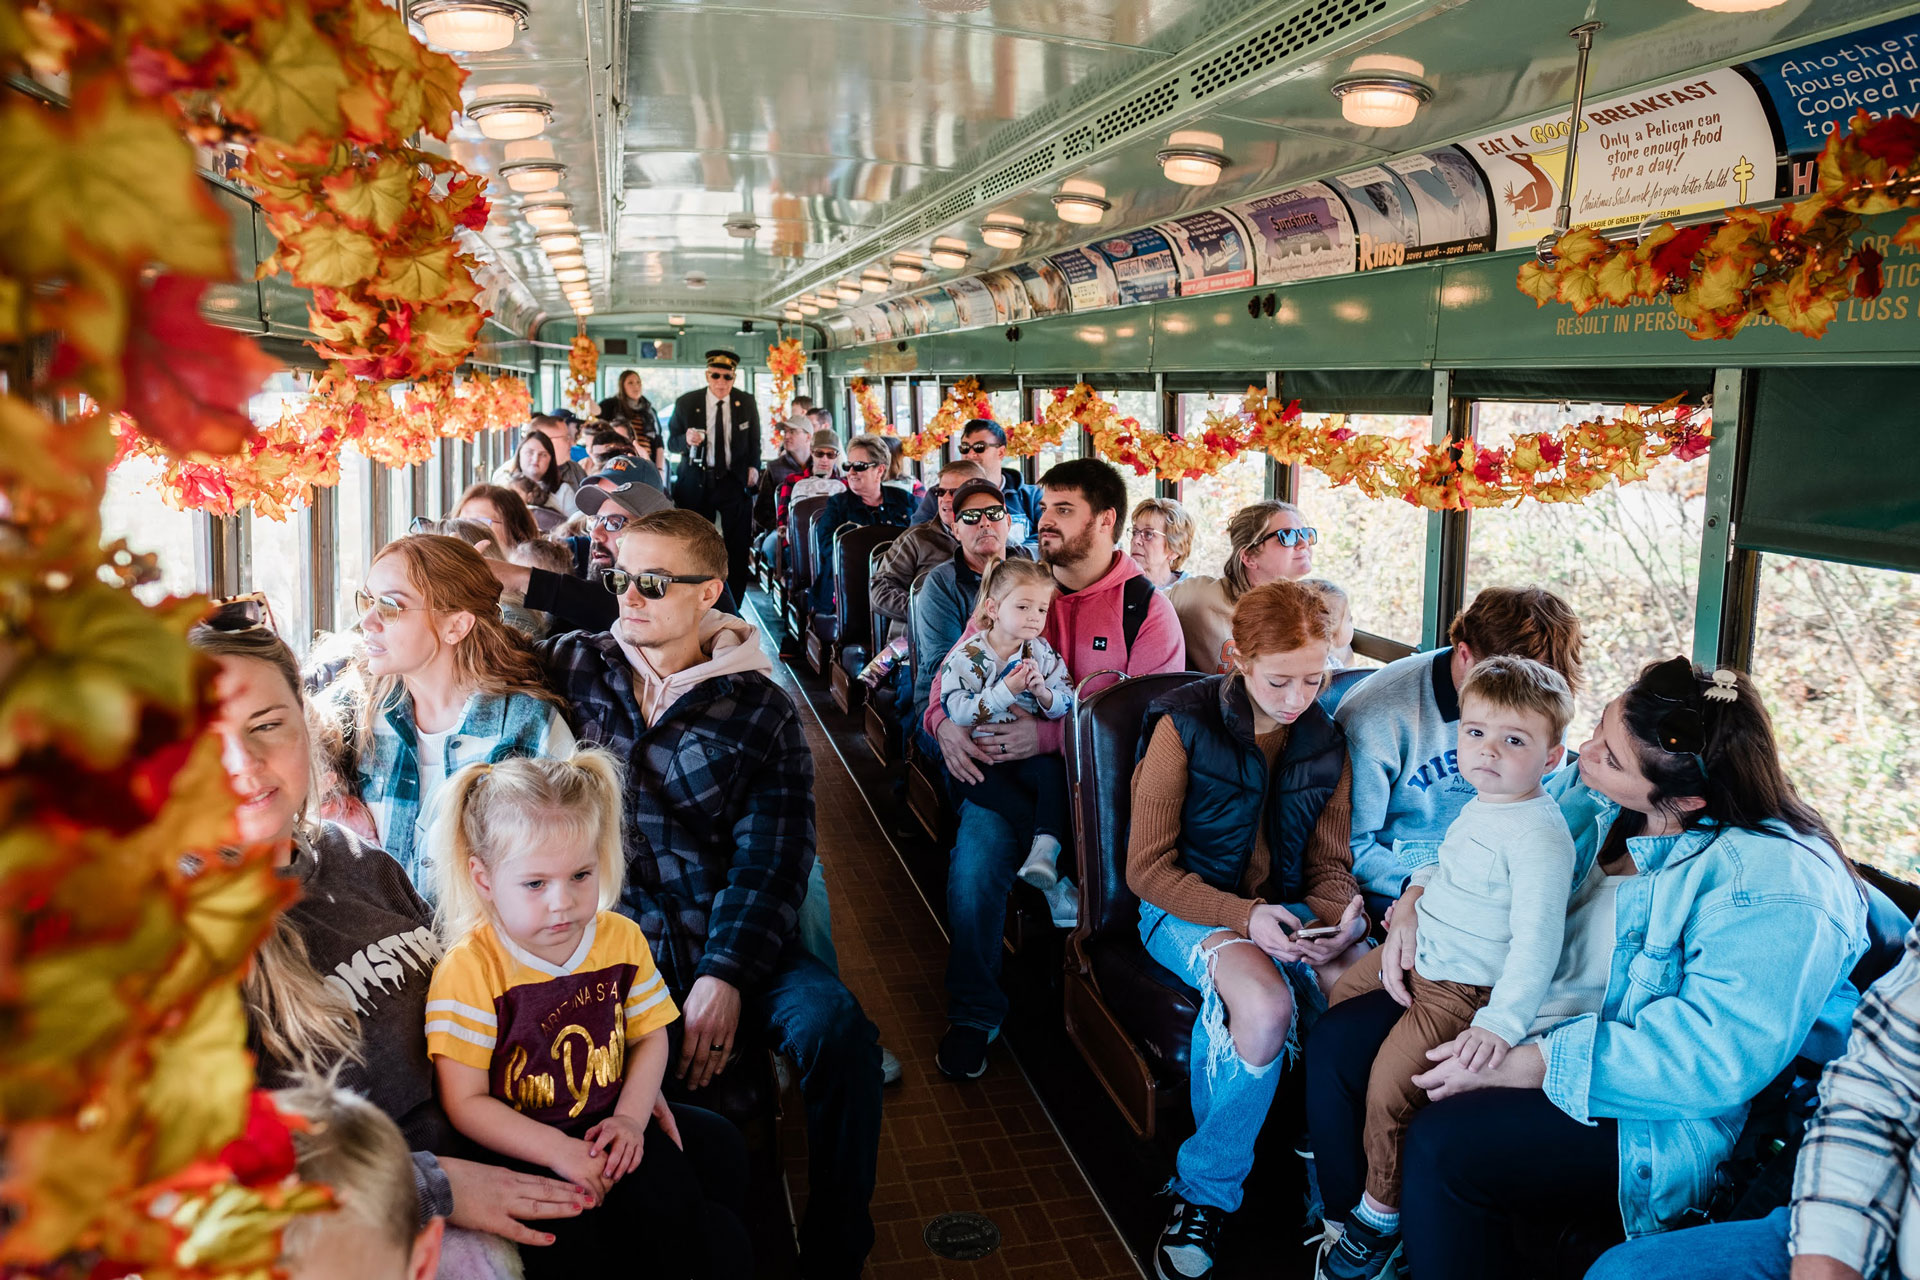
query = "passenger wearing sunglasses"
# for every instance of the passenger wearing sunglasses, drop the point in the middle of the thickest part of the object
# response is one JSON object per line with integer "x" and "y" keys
{"x": 1267, "y": 542}
{"x": 1713, "y": 925}
{"x": 867, "y": 500}
{"x": 719, "y": 840}
{"x": 983, "y": 442}
{"x": 821, "y": 478}
{"x": 919, "y": 549}
{"x": 796, "y": 438}
{"x": 715, "y": 434}
{"x": 442, "y": 683}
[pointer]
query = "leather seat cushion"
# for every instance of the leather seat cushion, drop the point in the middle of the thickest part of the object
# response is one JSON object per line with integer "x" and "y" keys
{"x": 1156, "y": 1008}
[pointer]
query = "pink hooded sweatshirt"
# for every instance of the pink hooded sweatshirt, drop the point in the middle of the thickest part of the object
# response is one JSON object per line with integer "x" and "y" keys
{"x": 1085, "y": 628}
{"x": 732, "y": 647}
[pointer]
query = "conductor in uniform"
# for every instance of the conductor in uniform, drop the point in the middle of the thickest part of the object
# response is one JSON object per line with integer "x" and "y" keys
{"x": 715, "y": 435}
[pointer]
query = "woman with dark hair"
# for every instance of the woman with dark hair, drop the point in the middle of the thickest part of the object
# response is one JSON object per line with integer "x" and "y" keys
{"x": 340, "y": 984}
{"x": 628, "y": 406}
{"x": 500, "y": 509}
{"x": 440, "y": 682}
{"x": 1713, "y": 921}
{"x": 536, "y": 461}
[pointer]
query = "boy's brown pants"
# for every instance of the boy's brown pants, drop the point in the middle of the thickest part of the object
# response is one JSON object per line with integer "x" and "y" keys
{"x": 1441, "y": 1011}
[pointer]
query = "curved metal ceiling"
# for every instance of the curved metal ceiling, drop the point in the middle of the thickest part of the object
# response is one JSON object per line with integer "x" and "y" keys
{"x": 853, "y": 129}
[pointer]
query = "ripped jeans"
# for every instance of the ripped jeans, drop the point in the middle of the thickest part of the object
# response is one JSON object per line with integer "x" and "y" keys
{"x": 1230, "y": 1098}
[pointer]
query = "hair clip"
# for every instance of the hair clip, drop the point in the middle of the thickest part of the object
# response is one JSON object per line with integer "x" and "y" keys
{"x": 1726, "y": 687}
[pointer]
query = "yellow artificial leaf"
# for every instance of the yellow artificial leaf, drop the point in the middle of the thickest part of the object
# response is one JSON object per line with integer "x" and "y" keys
{"x": 448, "y": 332}
{"x": 375, "y": 198}
{"x": 1617, "y": 278}
{"x": 72, "y": 1000}
{"x": 196, "y": 1089}
{"x": 1578, "y": 290}
{"x": 59, "y": 1177}
{"x": 365, "y": 109}
{"x": 289, "y": 85}
{"x": 1722, "y": 285}
{"x": 380, "y": 35}
{"x": 422, "y": 276}
{"x": 107, "y": 172}
{"x": 326, "y": 253}
{"x": 1909, "y": 235}
{"x": 1579, "y": 246}
{"x": 1538, "y": 283}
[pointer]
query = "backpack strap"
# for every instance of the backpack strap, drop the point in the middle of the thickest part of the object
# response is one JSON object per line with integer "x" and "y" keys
{"x": 1136, "y": 603}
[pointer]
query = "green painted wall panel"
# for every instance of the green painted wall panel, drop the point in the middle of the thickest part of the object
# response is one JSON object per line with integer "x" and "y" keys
{"x": 1375, "y": 321}
{"x": 1111, "y": 340}
{"x": 236, "y": 303}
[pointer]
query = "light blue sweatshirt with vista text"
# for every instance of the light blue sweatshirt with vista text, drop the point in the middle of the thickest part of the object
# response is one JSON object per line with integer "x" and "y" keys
{"x": 1403, "y": 734}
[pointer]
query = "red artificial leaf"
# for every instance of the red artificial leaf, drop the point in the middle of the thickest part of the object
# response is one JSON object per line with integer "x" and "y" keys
{"x": 187, "y": 381}
{"x": 1894, "y": 138}
{"x": 1868, "y": 283}
{"x": 1675, "y": 256}
{"x": 263, "y": 1154}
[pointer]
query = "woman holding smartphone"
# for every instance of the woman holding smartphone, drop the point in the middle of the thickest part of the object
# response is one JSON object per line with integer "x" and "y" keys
{"x": 1242, "y": 803}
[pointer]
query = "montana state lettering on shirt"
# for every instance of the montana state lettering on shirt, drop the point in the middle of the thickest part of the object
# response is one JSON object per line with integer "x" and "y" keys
{"x": 551, "y": 1038}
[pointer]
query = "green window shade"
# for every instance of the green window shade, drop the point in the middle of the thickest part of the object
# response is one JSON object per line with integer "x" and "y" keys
{"x": 1834, "y": 465}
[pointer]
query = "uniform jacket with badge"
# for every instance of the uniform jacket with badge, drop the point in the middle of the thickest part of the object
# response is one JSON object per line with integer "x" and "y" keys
{"x": 743, "y": 442}
{"x": 719, "y": 835}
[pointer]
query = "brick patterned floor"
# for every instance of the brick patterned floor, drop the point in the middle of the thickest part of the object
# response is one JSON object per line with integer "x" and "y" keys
{"x": 986, "y": 1146}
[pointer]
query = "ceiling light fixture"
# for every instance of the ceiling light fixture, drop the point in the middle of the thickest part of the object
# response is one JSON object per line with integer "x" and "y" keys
{"x": 530, "y": 166}
{"x": 874, "y": 281}
{"x": 808, "y": 308}
{"x": 1082, "y": 202}
{"x": 695, "y": 280}
{"x": 677, "y": 321}
{"x": 558, "y": 242}
{"x": 791, "y": 313}
{"x": 562, "y": 261}
{"x": 1004, "y": 231}
{"x": 470, "y": 26}
{"x": 742, "y": 226}
{"x": 508, "y": 112}
{"x": 1735, "y": 6}
{"x": 1382, "y": 91}
{"x": 570, "y": 273}
{"x": 907, "y": 269}
{"x": 551, "y": 216}
{"x": 1193, "y": 158}
{"x": 949, "y": 255}
{"x": 849, "y": 290}
{"x": 826, "y": 301}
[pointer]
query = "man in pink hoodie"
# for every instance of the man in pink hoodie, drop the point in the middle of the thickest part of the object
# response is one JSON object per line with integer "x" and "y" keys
{"x": 1106, "y": 617}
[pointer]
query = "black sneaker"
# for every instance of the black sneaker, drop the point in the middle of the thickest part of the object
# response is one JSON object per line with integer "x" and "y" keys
{"x": 963, "y": 1053}
{"x": 1190, "y": 1243}
{"x": 1361, "y": 1253}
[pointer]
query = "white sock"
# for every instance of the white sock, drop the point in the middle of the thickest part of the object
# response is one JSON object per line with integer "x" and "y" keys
{"x": 1045, "y": 849}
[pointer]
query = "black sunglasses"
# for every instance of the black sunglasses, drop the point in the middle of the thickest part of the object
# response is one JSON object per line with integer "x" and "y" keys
{"x": 250, "y": 612}
{"x": 651, "y": 586}
{"x": 857, "y": 468}
{"x": 979, "y": 447}
{"x": 974, "y": 515}
{"x": 1681, "y": 730}
{"x": 715, "y": 373}
{"x": 1288, "y": 538}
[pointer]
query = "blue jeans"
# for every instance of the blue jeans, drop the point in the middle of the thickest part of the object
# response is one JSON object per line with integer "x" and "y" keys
{"x": 986, "y": 854}
{"x": 816, "y": 920}
{"x": 816, "y": 1021}
{"x": 1230, "y": 1097}
{"x": 1753, "y": 1250}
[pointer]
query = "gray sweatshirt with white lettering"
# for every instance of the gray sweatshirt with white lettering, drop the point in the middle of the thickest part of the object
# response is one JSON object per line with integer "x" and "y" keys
{"x": 371, "y": 936}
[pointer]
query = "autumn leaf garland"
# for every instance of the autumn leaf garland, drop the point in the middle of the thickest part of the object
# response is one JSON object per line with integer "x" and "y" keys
{"x": 1795, "y": 265}
{"x": 583, "y": 364}
{"x": 963, "y": 402}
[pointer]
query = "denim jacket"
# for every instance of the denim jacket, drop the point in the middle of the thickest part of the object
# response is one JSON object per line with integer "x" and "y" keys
{"x": 1730, "y": 944}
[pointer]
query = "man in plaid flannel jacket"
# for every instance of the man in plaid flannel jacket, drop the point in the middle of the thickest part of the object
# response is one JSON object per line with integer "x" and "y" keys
{"x": 719, "y": 840}
{"x": 1856, "y": 1184}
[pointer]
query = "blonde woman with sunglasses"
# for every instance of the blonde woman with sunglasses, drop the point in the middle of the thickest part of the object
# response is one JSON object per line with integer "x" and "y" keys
{"x": 1270, "y": 542}
{"x": 439, "y": 682}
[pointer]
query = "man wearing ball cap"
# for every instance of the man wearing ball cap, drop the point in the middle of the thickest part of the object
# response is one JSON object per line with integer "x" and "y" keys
{"x": 714, "y": 435}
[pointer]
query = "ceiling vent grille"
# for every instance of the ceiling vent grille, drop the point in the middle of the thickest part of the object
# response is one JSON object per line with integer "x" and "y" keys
{"x": 1077, "y": 143}
{"x": 1018, "y": 174}
{"x": 1139, "y": 110}
{"x": 1302, "y": 31}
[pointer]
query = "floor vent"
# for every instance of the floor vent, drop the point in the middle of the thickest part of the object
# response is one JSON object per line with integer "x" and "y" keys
{"x": 1306, "y": 28}
{"x": 964, "y": 1237}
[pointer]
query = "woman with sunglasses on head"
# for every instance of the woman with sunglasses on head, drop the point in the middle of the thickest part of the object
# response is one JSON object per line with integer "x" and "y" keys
{"x": 340, "y": 984}
{"x": 1713, "y": 922}
{"x": 440, "y": 682}
{"x": 1270, "y": 542}
{"x": 866, "y": 500}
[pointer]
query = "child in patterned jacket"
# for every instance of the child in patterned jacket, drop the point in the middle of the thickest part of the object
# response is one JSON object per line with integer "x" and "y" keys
{"x": 1006, "y": 665}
